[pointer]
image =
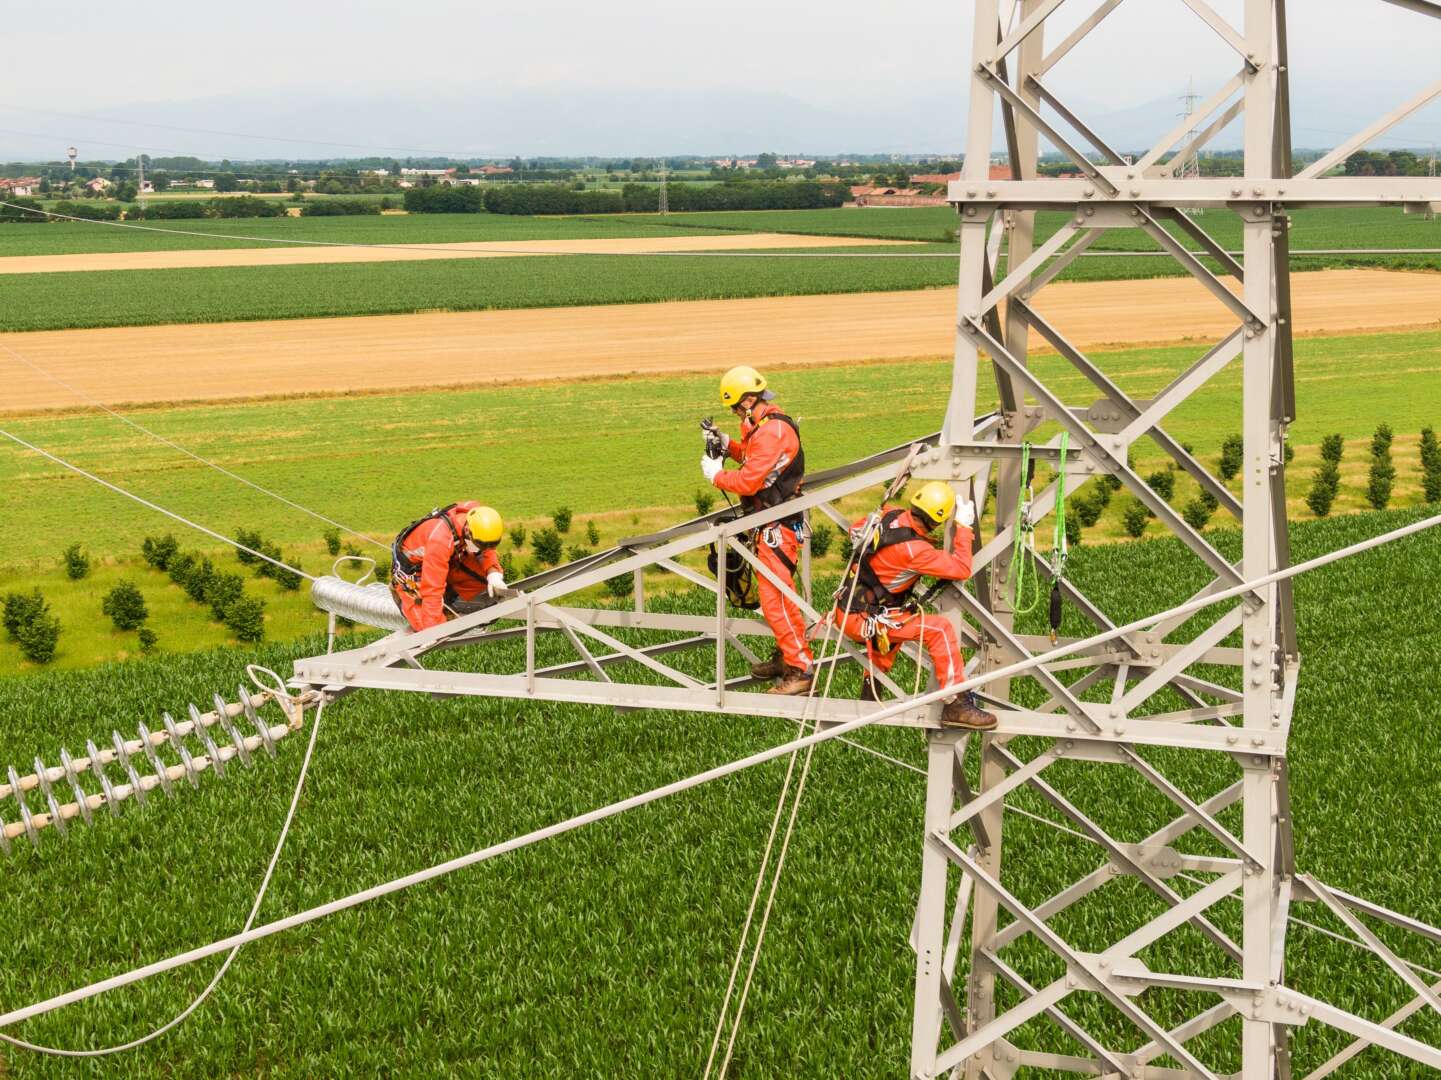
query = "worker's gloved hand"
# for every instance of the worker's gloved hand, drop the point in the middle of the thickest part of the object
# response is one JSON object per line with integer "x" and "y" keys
{"x": 710, "y": 467}
{"x": 966, "y": 513}
{"x": 715, "y": 440}
{"x": 495, "y": 583}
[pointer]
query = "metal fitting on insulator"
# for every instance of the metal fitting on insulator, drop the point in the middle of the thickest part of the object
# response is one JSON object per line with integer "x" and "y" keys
{"x": 222, "y": 713}
{"x": 42, "y": 779}
{"x": 122, "y": 755}
{"x": 81, "y": 799}
{"x": 25, "y": 818}
{"x": 247, "y": 705}
{"x": 191, "y": 773}
{"x": 197, "y": 726}
{"x": 155, "y": 762}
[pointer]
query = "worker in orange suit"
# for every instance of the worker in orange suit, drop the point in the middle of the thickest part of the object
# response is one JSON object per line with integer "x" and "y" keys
{"x": 874, "y": 605}
{"x": 772, "y": 468}
{"x": 446, "y": 558}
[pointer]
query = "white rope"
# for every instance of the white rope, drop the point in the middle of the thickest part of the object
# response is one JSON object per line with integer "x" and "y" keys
{"x": 55, "y": 1051}
{"x": 187, "y": 452}
{"x": 154, "y": 506}
{"x": 458, "y": 249}
{"x": 719, "y": 772}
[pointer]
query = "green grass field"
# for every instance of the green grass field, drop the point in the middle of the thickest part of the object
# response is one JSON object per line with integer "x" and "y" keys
{"x": 69, "y": 238}
{"x": 605, "y": 953}
{"x": 531, "y": 448}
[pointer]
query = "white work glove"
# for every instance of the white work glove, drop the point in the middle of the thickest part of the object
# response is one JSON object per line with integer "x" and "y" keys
{"x": 710, "y": 466}
{"x": 495, "y": 583}
{"x": 966, "y": 513}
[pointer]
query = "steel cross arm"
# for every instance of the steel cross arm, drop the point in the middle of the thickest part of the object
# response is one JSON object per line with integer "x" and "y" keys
{"x": 1037, "y": 18}
{"x": 1147, "y": 421}
{"x": 1039, "y": 122}
{"x": 1212, "y": 192}
{"x": 1076, "y": 891}
{"x": 1066, "y": 1024}
{"x": 424, "y": 640}
{"x": 1075, "y": 962}
{"x": 1188, "y": 123}
{"x": 1390, "y": 1023}
{"x": 1421, "y": 7}
{"x": 1118, "y": 854}
{"x": 1224, "y": 29}
{"x": 1077, "y": 35}
{"x": 611, "y": 658}
{"x": 1376, "y": 1034}
{"x": 1376, "y": 945}
{"x": 1202, "y": 237}
{"x": 665, "y": 672}
{"x": 1040, "y": 90}
{"x": 1366, "y": 134}
{"x": 1193, "y": 265}
{"x": 1376, "y": 911}
{"x": 1019, "y": 276}
{"x": 1192, "y": 652}
{"x": 1090, "y": 443}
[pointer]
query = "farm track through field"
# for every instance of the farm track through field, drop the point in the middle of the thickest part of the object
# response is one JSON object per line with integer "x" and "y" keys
{"x": 261, "y": 359}
{"x": 280, "y": 255}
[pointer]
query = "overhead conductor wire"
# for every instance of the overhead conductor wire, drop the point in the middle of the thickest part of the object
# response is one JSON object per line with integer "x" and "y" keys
{"x": 689, "y": 783}
{"x": 184, "y": 450}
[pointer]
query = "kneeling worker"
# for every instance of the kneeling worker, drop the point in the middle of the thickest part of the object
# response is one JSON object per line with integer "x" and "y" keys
{"x": 881, "y": 615}
{"x": 772, "y": 468}
{"x": 446, "y": 557}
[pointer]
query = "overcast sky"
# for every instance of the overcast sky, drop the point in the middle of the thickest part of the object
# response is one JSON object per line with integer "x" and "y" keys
{"x": 639, "y": 76}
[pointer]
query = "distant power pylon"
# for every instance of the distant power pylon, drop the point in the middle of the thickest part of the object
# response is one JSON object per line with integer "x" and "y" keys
{"x": 664, "y": 203}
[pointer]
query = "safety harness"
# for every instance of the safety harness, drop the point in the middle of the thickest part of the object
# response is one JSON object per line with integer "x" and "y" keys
{"x": 405, "y": 571}
{"x": 787, "y": 484}
{"x": 871, "y": 597}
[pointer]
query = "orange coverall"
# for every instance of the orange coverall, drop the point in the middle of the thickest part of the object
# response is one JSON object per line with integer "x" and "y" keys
{"x": 445, "y": 572}
{"x": 899, "y": 567}
{"x": 764, "y": 450}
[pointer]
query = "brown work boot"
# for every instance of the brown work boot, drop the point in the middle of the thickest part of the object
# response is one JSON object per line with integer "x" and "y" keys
{"x": 773, "y": 668}
{"x": 962, "y": 711}
{"x": 793, "y": 683}
{"x": 869, "y": 691}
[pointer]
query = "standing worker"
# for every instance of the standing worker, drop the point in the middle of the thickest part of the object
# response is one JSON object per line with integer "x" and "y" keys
{"x": 772, "y": 468}
{"x": 874, "y": 607}
{"x": 445, "y": 558}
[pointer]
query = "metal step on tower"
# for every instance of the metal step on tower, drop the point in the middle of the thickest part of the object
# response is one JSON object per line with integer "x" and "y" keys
{"x": 1098, "y": 706}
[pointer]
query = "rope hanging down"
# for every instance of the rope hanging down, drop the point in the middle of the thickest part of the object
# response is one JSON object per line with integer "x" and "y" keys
{"x": 1060, "y": 544}
{"x": 1023, "y": 550}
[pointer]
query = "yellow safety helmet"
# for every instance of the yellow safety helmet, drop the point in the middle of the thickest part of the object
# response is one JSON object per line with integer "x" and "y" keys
{"x": 936, "y": 500}
{"x": 738, "y": 382}
{"x": 484, "y": 525}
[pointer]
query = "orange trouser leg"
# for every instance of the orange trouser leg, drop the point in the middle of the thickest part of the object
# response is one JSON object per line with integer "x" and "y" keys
{"x": 782, "y": 616}
{"x": 409, "y": 606}
{"x": 937, "y": 637}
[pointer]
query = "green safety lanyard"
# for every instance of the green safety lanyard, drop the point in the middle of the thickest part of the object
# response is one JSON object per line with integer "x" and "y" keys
{"x": 1059, "y": 547}
{"x": 1023, "y": 552}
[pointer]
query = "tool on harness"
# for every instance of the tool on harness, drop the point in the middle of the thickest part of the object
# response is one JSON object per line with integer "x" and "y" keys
{"x": 742, "y": 588}
{"x": 1060, "y": 546}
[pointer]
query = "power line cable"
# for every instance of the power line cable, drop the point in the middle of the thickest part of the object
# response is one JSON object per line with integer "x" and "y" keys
{"x": 187, "y": 452}
{"x": 153, "y": 506}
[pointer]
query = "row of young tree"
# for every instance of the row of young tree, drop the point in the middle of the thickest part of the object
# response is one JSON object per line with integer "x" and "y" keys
{"x": 1380, "y": 473}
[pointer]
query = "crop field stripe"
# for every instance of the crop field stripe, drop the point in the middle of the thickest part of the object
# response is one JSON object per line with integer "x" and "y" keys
{"x": 718, "y": 772}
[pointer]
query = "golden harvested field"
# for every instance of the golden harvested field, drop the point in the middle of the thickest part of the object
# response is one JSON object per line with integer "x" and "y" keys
{"x": 281, "y": 255}
{"x": 258, "y": 359}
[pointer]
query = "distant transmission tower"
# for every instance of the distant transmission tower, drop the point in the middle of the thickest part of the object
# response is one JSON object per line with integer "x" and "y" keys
{"x": 1189, "y": 167}
{"x": 664, "y": 204}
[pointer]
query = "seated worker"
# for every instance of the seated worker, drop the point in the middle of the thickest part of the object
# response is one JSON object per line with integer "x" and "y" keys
{"x": 873, "y": 604}
{"x": 772, "y": 471}
{"x": 446, "y": 557}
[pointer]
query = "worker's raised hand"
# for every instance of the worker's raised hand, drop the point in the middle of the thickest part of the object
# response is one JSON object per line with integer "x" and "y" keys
{"x": 966, "y": 513}
{"x": 710, "y": 466}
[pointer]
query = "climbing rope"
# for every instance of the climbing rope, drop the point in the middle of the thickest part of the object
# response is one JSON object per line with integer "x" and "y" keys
{"x": 1060, "y": 545}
